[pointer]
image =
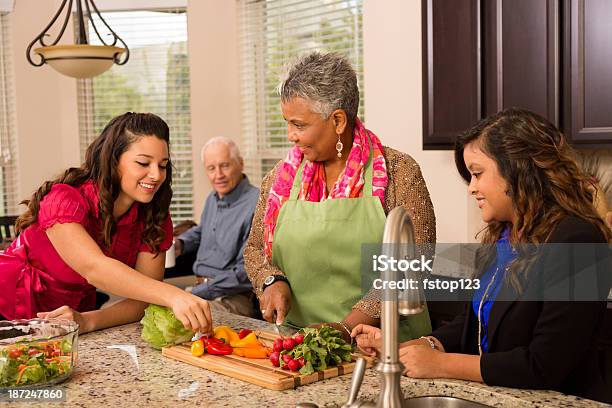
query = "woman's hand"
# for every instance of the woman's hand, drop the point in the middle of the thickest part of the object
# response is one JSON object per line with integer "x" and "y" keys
{"x": 421, "y": 361}
{"x": 66, "y": 313}
{"x": 192, "y": 311}
{"x": 276, "y": 300}
{"x": 368, "y": 339}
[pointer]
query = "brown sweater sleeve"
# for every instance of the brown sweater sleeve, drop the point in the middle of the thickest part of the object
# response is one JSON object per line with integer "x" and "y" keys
{"x": 256, "y": 263}
{"x": 410, "y": 191}
{"x": 407, "y": 188}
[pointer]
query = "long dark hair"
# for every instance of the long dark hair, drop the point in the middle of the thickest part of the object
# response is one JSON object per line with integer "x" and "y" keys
{"x": 543, "y": 178}
{"x": 101, "y": 161}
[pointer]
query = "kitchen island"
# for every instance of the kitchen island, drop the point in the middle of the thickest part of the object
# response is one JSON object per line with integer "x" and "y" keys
{"x": 116, "y": 368}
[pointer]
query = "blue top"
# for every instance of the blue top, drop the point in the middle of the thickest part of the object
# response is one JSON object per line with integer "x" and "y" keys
{"x": 505, "y": 255}
{"x": 220, "y": 239}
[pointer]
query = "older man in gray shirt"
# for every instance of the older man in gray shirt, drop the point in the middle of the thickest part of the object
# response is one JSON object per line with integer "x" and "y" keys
{"x": 223, "y": 231}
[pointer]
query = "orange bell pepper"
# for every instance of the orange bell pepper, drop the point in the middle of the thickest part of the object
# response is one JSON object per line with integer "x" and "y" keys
{"x": 252, "y": 352}
{"x": 250, "y": 341}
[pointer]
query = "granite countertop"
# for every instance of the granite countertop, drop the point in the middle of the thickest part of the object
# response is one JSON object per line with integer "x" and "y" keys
{"x": 116, "y": 368}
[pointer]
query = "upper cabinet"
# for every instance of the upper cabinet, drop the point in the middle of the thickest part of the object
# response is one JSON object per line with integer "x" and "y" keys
{"x": 587, "y": 71}
{"x": 548, "y": 56}
{"x": 521, "y": 56}
{"x": 452, "y": 98}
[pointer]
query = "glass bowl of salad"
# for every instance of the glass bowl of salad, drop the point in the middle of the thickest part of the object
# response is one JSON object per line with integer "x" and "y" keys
{"x": 37, "y": 352}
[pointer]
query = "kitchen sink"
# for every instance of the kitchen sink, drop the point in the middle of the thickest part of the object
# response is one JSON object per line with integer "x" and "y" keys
{"x": 441, "y": 402}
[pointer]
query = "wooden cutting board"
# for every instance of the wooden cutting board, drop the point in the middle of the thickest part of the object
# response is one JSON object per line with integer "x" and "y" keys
{"x": 257, "y": 371}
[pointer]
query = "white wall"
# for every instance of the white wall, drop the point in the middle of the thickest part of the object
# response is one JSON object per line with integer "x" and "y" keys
{"x": 215, "y": 92}
{"x": 393, "y": 106}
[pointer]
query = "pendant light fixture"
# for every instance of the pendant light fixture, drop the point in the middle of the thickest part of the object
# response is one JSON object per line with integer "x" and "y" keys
{"x": 80, "y": 60}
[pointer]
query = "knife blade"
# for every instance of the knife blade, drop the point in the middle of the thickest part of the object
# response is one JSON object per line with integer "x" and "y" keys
{"x": 277, "y": 327}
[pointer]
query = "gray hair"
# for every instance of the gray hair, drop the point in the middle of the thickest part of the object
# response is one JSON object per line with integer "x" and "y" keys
{"x": 231, "y": 145}
{"x": 327, "y": 79}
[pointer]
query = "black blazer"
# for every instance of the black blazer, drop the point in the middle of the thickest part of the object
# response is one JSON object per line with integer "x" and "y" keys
{"x": 541, "y": 344}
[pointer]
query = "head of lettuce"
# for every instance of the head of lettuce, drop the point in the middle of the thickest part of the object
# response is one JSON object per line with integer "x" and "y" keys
{"x": 161, "y": 328}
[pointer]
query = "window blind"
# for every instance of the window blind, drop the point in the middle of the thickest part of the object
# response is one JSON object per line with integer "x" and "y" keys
{"x": 9, "y": 194}
{"x": 272, "y": 33}
{"x": 155, "y": 79}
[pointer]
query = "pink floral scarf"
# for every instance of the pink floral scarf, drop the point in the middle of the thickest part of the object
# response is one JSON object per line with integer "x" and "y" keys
{"x": 349, "y": 184}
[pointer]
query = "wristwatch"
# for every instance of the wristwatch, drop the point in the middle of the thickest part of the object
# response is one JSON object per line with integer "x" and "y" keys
{"x": 272, "y": 279}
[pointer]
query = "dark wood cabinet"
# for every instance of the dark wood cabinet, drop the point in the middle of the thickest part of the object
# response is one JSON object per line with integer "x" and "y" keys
{"x": 549, "y": 56}
{"x": 521, "y": 53}
{"x": 452, "y": 72}
{"x": 587, "y": 64}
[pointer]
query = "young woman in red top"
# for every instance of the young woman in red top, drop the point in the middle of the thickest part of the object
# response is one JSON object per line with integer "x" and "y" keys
{"x": 103, "y": 225}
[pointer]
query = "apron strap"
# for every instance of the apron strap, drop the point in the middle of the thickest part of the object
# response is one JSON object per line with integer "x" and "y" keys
{"x": 367, "y": 187}
{"x": 297, "y": 181}
{"x": 367, "y": 177}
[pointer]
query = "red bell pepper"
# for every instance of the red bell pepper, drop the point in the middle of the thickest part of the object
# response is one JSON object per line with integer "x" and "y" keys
{"x": 244, "y": 332}
{"x": 213, "y": 340}
{"x": 219, "y": 349}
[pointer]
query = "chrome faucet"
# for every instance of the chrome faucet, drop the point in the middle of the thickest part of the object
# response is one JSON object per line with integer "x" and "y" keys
{"x": 398, "y": 242}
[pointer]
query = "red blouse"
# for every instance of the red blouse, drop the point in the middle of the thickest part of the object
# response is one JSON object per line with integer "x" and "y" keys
{"x": 33, "y": 277}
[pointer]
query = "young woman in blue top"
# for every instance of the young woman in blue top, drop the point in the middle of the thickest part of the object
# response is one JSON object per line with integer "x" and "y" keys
{"x": 518, "y": 331}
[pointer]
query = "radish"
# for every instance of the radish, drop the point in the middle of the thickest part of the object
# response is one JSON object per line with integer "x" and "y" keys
{"x": 302, "y": 361}
{"x": 294, "y": 365}
{"x": 275, "y": 358}
{"x": 277, "y": 345}
{"x": 286, "y": 358}
{"x": 288, "y": 344}
{"x": 299, "y": 338}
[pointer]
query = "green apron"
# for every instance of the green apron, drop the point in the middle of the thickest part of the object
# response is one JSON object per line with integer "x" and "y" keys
{"x": 318, "y": 247}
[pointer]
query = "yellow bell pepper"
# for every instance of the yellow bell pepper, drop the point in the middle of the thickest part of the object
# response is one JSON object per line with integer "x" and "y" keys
{"x": 250, "y": 341}
{"x": 197, "y": 348}
{"x": 225, "y": 333}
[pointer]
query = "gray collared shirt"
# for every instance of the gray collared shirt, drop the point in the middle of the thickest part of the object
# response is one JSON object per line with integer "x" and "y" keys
{"x": 220, "y": 239}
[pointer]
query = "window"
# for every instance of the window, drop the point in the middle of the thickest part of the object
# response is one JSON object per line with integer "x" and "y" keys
{"x": 272, "y": 33}
{"x": 9, "y": 195}
{"x": 155, "y": 79}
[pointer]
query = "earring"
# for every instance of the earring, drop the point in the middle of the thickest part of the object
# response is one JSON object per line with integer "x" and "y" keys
{"x": 339, "y": 147}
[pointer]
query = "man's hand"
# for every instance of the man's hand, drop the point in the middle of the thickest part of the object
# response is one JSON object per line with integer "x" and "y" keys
{"x": 276, "y": 300}
{"x": 178, "y": 247}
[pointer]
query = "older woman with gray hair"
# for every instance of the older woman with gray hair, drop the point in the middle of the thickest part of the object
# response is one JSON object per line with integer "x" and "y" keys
{"x": 329, "y": 196}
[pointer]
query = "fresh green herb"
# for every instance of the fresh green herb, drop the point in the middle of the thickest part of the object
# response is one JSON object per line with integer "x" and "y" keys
{"x": 320, "y": 348}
